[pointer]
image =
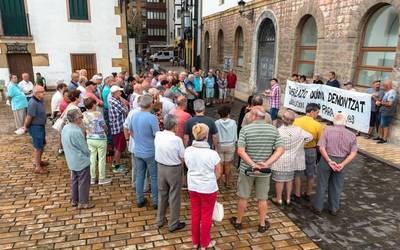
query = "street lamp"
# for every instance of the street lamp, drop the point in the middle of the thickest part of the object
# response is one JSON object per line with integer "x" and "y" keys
{"x": 242, "y": 10}
{"x": 241, "y": 4}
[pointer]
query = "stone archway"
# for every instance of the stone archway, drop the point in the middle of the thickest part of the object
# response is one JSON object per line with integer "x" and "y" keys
{"x": 264, "y": 52}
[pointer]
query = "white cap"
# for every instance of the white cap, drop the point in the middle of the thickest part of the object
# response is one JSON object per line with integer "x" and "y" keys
{"x": 115, "y": 88}
{"x": 97, "y": 77}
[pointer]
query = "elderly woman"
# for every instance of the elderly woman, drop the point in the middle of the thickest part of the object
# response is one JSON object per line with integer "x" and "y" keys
{"x": 338, "y": 147}
{"x": 77, "y": 156}
{"x": 204, "y": 169}
{"x": 292, "y": 159}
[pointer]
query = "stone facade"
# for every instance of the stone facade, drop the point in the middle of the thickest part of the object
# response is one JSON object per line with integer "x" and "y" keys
{"x": 340, "y": 26}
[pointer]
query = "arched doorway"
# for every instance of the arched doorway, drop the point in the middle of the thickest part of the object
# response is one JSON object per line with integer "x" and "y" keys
{"x": 207, "y": 50}
{"x": 266, "y": 55}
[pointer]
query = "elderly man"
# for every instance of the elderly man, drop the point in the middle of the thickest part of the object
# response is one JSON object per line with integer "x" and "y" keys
{"x": 317, "y": 79}
{"x": 338, "y": 147}
{"x": 169, "y": 152}
{"x": 91, "y": 87}
{"x": 74, "y": 84}
{"x": 35, "y": 123}
{"x": 181, "y": 115}
{"x": 198, "y": 84}
{"x": 26, "y": 86}
{"x": 259, "y": 146}
{"x": 191, "y": 93}
{"x": 19, "y": 102}
{"x": 312, "y": 126}
{"x": 143, "y": 127}
{"x": 167, "y": 101}
{"x": 117, "y": 113}
{"x": 199, "y": 108}
{"x": 284, "y": 168}
{"x": 256, "y": 102}
{"x": 77, "y": 156}
{"x": 388, "y": 108}
{"x": 376, "y": 95}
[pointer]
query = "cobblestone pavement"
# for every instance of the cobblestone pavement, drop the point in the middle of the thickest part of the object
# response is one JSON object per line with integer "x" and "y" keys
{"x": 370, "y": 213}
{"x": 35, "y": 210}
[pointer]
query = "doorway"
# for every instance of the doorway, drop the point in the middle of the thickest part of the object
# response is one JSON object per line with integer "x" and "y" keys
{"x": 19, "y": 64}
{"x": 266, "y": 55}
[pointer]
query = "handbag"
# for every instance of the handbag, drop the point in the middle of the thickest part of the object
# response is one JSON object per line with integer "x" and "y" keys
{"x": 58, "y": 124}
{"x": 218, "y": 213}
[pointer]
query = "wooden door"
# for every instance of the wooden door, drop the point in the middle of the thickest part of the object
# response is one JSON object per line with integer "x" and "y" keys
{"x": 84, "y": 61}
{"x": 20, "y": 63}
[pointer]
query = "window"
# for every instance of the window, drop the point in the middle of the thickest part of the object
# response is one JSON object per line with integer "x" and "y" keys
{"x": 221, "y": 2}
{"x": 178, "y": 13}
{"x": 156, "y": 15}
{"x": 156, "y": 32}
{"x": 307, "y": 47}
{"x": 78, "y": 10}
{"x": 84, "y": 61}
{"x": 220, "y": 46}
{"x": 378, "y": 51}
{"x": 239, "y": 43}
{"x": 13, "y": 18}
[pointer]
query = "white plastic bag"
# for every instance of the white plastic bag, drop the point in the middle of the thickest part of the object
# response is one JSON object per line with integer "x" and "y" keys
{"x": 218, "y": 213}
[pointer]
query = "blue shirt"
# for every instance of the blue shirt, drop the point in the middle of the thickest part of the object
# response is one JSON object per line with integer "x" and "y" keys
{"x": 209, "y": 82}
{"x": 197, "y": 83}
{"x": 104, "y": 95}
{"x": 144, "y": 126}
{"x": 18, "y": 98}
{"x": 37, "y": 111}
{"x": 75, "y": 147}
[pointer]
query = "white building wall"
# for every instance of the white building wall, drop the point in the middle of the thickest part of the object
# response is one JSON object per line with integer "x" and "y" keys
{"x": 213, "y": 6}
{"x": 54, "y": 35}
{"x": 170, "y": 22}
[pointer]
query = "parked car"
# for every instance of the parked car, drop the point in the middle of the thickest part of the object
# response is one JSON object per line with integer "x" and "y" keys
{"x": 162, "y": 56}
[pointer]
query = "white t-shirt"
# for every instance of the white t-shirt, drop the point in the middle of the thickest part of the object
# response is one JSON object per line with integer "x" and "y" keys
{"x": 26, "y": 87}
{"x": 82, "y": 95}
{"x": 167, "y": 105}
{"x": 201, "y": 161}
{"x": 56, "y": 100}
{"x": 169, "y": 149}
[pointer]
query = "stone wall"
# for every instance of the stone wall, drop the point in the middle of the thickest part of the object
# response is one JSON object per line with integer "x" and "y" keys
{"x": 340, "y": 25}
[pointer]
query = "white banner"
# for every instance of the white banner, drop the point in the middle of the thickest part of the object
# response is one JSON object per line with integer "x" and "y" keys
{"x": 356, "y": 105}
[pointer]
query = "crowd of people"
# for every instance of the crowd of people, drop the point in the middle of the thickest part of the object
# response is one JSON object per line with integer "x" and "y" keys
{"x": 159, "y": 118}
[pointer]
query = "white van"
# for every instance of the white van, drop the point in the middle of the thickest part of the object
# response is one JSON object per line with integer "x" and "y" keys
{"x": 162, "y": 56}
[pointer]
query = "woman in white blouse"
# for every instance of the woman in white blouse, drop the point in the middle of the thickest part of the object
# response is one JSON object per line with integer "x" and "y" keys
{"x": 293, "y": 159}
{"x": 204, "y": 169}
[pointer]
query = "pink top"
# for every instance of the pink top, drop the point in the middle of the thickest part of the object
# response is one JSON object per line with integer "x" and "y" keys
{"x": 182, "y": 118}
{"x": 91, "y": 95}
{"x": 63, "y": 106}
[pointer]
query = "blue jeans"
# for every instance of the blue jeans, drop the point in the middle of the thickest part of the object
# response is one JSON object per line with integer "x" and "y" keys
{"x": 141, "y": 165}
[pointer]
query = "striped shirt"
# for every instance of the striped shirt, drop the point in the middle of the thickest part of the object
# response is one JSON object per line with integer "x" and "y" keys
{"x": 338, "y": 141}
{"x": 259, "y": 141}
{"x": 293, "y": 158}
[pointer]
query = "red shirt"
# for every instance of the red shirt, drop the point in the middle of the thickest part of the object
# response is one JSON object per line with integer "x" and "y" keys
{"x": 231, "y": 79}
{"x": 182, "y": 118}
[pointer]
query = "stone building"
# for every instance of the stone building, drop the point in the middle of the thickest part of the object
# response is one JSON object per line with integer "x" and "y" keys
{"x": 358, "y": 39}
{"x": 56, "y": 38}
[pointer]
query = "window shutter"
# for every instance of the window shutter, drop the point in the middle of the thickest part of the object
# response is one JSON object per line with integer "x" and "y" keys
{"x": 78, "y": 10}
{"x": 13, "y": 17}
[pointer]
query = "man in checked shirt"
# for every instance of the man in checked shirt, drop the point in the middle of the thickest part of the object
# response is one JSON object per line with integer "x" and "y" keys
{"x": 338, "y": 147}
